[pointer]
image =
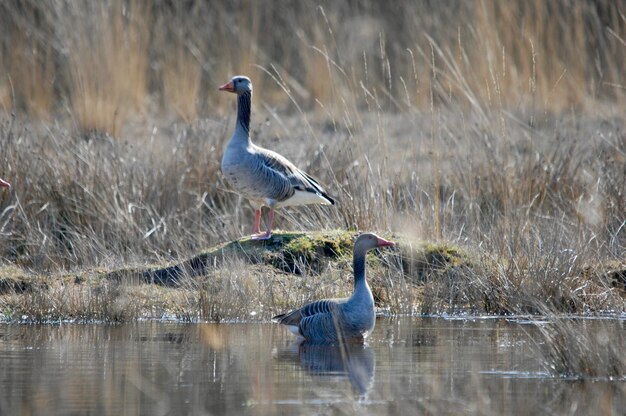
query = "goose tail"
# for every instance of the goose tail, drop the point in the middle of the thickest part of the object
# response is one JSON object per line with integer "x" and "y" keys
{"x": 317, "y": 189}
{"x": 330, "y": 200}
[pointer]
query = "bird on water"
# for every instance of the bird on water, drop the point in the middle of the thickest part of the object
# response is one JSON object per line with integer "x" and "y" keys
{"x": 347, "y": 319}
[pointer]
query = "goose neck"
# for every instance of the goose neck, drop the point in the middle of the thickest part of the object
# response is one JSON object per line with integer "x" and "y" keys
{"x": 359, "y": 268}
{"x": 244, "y": 110}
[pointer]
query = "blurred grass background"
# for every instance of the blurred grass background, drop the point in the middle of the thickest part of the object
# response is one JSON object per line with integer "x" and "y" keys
{"x": 104, "y": 63}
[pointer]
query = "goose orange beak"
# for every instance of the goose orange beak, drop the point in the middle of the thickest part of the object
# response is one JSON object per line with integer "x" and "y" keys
{"x": 385, "y": 243}
{"x": 227, "y": 87}
{"x": 4, "y": 184}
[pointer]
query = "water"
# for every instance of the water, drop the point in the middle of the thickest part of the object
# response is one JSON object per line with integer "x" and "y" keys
{"x": 410, "y": 366}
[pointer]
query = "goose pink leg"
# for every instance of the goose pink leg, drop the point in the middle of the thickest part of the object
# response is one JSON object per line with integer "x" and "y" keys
{"x": 267, "y": 234}
{"x": 257, "y": 222}
{"x": 4, "y": 184}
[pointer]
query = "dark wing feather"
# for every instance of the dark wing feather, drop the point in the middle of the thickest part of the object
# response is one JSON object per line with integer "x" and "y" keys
{"x": 299, "y": 179}
{"x": 319, "y": 306}
{"x": 319, "y": 328}
{"x": 276, "y": 162}
{"x": 324, "y": 306}
{"x": 316, "y": 187}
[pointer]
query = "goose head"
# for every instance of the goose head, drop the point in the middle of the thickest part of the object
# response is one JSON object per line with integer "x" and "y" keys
{"x": 368, "y": 241}
{"x": 239, "y": 84}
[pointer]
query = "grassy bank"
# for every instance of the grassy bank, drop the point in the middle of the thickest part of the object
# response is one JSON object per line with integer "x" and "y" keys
{"x": 252, "y": 280}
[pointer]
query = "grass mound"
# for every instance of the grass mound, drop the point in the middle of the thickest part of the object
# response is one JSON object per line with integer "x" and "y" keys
{"x": 300, "y": 253}
{"x": 235, "y": 279}
{"x": 286, "y": 251}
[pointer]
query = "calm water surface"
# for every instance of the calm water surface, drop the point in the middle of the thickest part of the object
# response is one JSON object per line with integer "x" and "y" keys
{"x": 410, "y": 366}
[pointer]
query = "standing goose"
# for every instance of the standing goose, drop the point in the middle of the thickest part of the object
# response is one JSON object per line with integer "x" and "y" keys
{"x": 332, "y": 320}
{"x": 263, "y": 176}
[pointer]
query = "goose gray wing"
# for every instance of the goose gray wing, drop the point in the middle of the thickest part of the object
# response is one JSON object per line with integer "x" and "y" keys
{"x": 314, "y": 321}
{"x": 319, "y": 307}
{"x": 319, "y": 328}
{"x": 285, "y": 178}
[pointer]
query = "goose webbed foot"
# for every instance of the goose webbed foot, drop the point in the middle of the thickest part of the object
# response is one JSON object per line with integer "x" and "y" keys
{"x": 261, "y": 236}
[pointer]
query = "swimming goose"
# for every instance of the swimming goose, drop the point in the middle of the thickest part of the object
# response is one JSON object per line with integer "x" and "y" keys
{"x": 4, "y": 184}
{"x": 332, "y": 320}
{"x": 261, "y": 175}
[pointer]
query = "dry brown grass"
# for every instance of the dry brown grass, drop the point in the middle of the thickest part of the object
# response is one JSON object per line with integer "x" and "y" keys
{"x": 541, "y": 235}
{"x": 105, "y": 62}
{"x": 592, "y": 352}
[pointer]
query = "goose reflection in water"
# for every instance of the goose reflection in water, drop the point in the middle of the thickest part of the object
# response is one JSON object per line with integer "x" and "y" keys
{"x": 356, "y": 362}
